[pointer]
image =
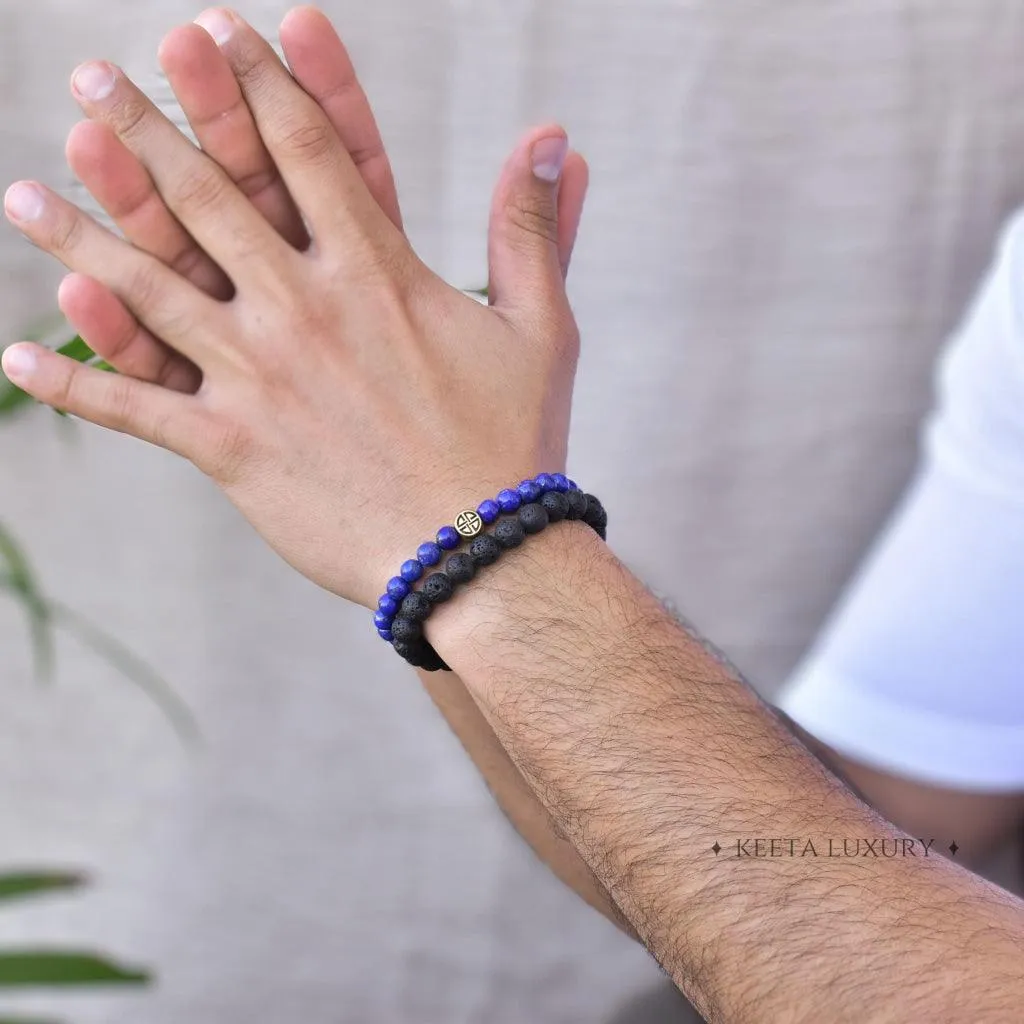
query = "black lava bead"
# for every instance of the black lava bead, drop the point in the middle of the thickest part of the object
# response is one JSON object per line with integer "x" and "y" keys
{"x": 460, "y": 568}
{"x": 577, "y": 504}
{"x": 437, "y": 587}
{"x": 596, "y": 515}
{"x": 556, "y": 505}
{"x": 412, "y": 650}
{"x": 406, "y": 630}
{"x": 415, "y": 606}
{"x": 509, "y": 533}
{"x": 432, "y": 661}
{"x": 534, "y": 517}
{"x": 485, "y": 550}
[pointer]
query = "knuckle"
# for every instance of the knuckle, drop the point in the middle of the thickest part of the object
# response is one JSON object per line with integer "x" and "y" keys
{"x": 252, "y": 70}
{"x": 230, "y": 447}
{"x": 120, "y": 402}
{"x": 143, "y": 292}
{"x": 64, "y": 389}
{"x": 365, "y": 155}
{"x": 533, "y": 216}
{"x": 565, "y": 334}
{"x": 161, "y": 430}
{"x": 173, "y": 324}
{"x": 129, "y": 118}
{"x": 146, "y": 298}
{"x": 376, "y": 262}
{"x": 67, "y": 232}
{"x": 200, "y": 191}
{"x": 554, "y": 327}
{"x": 114, "y": 402}
{"x": 312, "y": 142}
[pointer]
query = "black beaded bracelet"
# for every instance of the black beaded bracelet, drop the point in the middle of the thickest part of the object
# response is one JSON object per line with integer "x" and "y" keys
{"x": 517, "y": 513}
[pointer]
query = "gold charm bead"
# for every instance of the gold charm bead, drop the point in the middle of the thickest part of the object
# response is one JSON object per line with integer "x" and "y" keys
{"x": 468, "y": 523}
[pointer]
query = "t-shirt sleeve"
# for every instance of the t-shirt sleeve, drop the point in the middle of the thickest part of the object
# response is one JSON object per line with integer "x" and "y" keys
{"x": 920, "y": 670}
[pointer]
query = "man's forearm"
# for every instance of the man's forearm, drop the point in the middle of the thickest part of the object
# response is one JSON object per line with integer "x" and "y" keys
{"x": 647, "y": 751}
{"x": 513, "y": 795}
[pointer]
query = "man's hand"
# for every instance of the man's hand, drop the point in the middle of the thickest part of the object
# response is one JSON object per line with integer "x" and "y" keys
{"x": 205, "y": 84}
{"x": 345, "y": 398}
{"x": 209, "y": 94}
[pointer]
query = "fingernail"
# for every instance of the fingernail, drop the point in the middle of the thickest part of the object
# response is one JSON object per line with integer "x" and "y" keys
{"x": 94, "y": 82}
{"x": 24, "y": 202}
{"x": 218, "y": 23}
{"x": 19, "y": 362}
{"x": 549, "y": 157}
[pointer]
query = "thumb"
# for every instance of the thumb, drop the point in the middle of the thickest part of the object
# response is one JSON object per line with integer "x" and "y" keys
{"x": 534, "y": 218}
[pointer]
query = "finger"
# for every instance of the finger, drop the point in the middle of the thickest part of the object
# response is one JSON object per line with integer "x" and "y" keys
{"x": 110, "y": 330}
{"x": 212, "y": 101}
{"x": 572, "y": 194}
{"x": 169, "y": 306}
{"x": 322, "y": 66}
{"x": 526, "y": 261}
{"x": 199, "y": 194}
{"x": 316, "y": 167}
{"x": 123, "y": 187}
{"x": 162, "y": 417}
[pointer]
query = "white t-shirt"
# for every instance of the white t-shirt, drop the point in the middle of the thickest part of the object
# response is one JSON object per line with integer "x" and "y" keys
{"x": 921, "y": 670}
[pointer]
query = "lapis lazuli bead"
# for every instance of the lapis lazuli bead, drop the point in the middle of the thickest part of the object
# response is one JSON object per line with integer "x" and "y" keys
{"x": 561, "y": 482}
{"x": 488, "y": 510}
{"x": 382, "y": 621}
{"x": 509, "y": 500}
{"x": 398, "y": 588}
{"x": 428, "y": 553}
{"x": 529, "y": 490}
{"x": 385, "y": 634}
{"x": 388, "y": 605}
{"x": 546, "y": 482}
{"x": 411, "y": 571}
{"x": 448, "y": 538}
{"x": 573, "y": 486}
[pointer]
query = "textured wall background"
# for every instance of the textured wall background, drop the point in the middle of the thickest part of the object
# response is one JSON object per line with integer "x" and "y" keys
{"x": 791, "y": 202}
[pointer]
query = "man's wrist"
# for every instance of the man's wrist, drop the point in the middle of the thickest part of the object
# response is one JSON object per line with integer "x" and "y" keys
{"x": 536, "y": 602}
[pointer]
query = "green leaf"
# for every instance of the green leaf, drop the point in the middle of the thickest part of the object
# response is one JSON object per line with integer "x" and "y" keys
{"x": 143, "y": 675}
{"x": 44, "y": 615}
{"x": 27, "y": 1020}
{"x": 21, "y": 582}
{"x": 77, "y": 349}
{"x": 37, "y": 968}
{"x": 17, "y": 886}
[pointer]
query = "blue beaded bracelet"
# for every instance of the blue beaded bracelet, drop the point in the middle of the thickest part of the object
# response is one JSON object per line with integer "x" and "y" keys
{"x": 528, "y": 508}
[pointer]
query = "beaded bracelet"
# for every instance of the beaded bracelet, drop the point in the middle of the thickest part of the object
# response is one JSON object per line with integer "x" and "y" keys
{"x": 517, "y": 513}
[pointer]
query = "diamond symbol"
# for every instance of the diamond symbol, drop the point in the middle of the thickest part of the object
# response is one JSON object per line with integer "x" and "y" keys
{"x": 953, "y": 847}
{"x": 716, "y": 848}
